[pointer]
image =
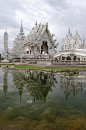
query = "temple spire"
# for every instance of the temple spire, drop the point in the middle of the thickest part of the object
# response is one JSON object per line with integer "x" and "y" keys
{"x": 69, "y": 31}
{"x": 76, "y": 33}
{"x": 36, "y": 23}
{"x": 21, "y": 29}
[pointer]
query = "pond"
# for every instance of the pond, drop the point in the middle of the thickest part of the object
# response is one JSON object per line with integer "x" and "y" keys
{"x": 40, "y": 100}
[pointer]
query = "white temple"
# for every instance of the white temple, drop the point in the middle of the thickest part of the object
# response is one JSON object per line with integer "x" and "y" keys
{"x": 71, "y": 43}
{"x": 73, "y": 48}
{"x": 40, "y": 44}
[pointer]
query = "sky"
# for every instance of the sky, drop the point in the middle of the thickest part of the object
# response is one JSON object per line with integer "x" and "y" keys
{"x": 60, "y": 15}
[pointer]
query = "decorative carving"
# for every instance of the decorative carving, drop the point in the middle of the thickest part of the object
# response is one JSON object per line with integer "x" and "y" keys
{"x": 73, "y": 42}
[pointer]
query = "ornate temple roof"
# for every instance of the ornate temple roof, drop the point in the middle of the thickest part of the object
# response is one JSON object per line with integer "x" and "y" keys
{"x": 35, "y": 35}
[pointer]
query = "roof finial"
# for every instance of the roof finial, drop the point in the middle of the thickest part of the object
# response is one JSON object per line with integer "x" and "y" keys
{"x": 21, "y": 22}
{"x": 47, "y": 24}
{"x": 76, "y": 32}
{"x": 69, "y": 31}
{"x": 36, "y": 23}
{"x": 21, "y": 29}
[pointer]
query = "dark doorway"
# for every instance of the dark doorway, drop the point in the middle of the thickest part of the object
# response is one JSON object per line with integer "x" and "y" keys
{"x": 44, "y": 47}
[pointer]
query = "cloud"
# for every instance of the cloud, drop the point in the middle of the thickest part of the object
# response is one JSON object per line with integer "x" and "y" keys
{"x": 61, "y": 15}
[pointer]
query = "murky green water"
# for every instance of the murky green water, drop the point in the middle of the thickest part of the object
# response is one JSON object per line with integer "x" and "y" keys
{"x": 35, "y": 100}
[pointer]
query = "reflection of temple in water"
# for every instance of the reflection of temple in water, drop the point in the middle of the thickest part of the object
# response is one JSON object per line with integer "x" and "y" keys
{"x": 5, "y": 82}
{"x": 38, "y": 83}
{"x": 72, "y": 83}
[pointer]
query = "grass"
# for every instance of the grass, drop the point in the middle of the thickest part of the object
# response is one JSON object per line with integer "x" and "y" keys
{"x": 28, "y": 67}
{"x": 36, "y": 67}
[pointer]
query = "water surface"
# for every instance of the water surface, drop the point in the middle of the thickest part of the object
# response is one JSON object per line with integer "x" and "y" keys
{"x": 38, "y": 100}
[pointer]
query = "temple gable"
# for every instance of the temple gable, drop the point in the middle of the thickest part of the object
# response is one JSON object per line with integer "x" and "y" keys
{"x": 39, "y": 40}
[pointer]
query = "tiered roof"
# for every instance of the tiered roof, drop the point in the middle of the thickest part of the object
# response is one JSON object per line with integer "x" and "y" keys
{"x": 77, "y": 42}
{"x": 35, "y": 35}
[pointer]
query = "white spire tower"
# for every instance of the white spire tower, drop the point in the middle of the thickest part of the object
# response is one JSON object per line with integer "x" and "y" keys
{"x": 6, "y": 42}
{"x": 5, "y": 46}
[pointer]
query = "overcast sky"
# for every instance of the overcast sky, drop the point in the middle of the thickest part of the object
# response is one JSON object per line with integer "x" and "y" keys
{"x": 61, "y": 15}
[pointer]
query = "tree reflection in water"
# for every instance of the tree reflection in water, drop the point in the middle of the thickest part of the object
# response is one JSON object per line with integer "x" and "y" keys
{"x": 39, "y": 84}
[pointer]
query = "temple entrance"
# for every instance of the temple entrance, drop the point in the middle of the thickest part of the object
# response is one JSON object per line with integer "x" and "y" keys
{"x": 44, "y": 47}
